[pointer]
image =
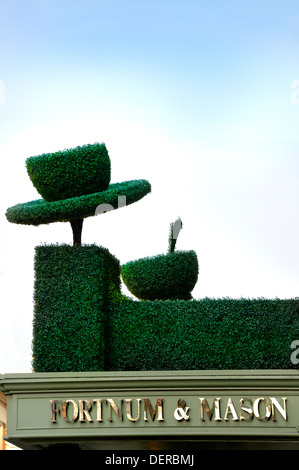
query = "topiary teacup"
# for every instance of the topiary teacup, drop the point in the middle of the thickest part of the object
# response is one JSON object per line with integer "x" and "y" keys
{"x": 70, "y": 173}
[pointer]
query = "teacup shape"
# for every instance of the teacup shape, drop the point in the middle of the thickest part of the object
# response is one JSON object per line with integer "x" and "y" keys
{"x": 71, "y": 172}
{"x": 162, "y": 277}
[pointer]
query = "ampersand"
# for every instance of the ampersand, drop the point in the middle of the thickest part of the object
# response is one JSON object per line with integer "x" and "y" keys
{"x": 181, "y": 413}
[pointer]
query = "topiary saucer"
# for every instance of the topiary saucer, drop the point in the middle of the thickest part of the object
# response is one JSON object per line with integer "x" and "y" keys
{"x": 39, "y": 211}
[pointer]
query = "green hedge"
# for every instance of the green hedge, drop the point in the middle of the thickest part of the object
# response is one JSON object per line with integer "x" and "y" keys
{"x": 202, "y": 334}
{"x": 161, "y": 277}
{"x": 82, "y": 322}
{"x": 71, "y": 172}
{"x": 70, "y": 306}
{"x": 41, "y": 212}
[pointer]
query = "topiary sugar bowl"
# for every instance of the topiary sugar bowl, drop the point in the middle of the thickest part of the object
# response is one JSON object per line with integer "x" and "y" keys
{"x": 163, "y": 277}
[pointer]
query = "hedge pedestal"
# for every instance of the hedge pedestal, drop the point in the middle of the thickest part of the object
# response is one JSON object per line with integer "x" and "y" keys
{"x": 70, "y": 306}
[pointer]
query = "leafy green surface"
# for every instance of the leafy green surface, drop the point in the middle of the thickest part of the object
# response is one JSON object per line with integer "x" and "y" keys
{"x": 70, "y": 306}
{"x": 41, "y": 212}
{"x": 162, "y": 277}
{"x": 82, "y": 322}
{"x": 202, "y": 334}
{"x": 71, "y": 172}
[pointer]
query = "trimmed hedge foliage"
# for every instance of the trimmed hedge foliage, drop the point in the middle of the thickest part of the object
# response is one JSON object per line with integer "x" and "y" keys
{"x": 82, "y": 322}
{"x": 169, "y": 276}
{"x": 71, "y": 172}
{"x": 41, "y": 212}
{"x": 202, "y": 334}
{"x": 70, "y": 306}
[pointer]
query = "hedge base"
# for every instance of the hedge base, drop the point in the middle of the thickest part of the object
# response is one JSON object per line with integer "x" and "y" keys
{"x": 71, "y": 302}
{"x": 82, "y": 323}
{"x": 207, "y": 334}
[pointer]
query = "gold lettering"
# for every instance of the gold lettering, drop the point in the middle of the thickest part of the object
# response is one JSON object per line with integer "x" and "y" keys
{"x": 256, "y": 409}
{"x": 99, "y": 409}
{"x": 247, "y": 410}
{"x": 230, "y": 410}
{"x": 129, "y": 409}
{"x": 158, "y": 408}
{"x": 64, "y": 411}
{"x": 209, "y": 411}
{"x": 261, "y": 408}
{"x": 282, "y": 410}
{"x": 118, "y": 411}
{"x": 84, "y": 411}
{"x": 54, "y": 410}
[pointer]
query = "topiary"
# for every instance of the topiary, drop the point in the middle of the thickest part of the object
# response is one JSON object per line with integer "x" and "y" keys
{"x": 163, "y": 277}
{"x": 74, "y": 184}
{"x": 70, "y": 173}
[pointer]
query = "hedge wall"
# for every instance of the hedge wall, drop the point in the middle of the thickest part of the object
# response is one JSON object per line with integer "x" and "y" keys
{"x": 202, "y": 334}
{"x": 82, "y": 322}
{"x": 71, "y": 291}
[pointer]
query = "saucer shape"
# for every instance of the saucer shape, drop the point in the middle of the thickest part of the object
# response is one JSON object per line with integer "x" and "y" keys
{"x": 39, "y": 211}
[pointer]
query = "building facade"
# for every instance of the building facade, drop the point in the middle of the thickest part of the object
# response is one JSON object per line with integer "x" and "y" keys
{"x": 4, "y": 445}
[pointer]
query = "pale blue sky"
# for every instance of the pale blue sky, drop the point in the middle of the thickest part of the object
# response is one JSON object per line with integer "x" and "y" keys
{"x": 194, "y": 96}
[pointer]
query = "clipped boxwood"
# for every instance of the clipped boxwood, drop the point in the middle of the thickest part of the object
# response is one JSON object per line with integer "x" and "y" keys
{"x": 39, "y": 212}
{"x": 71, "y": 172}
{"x": 207, "y": 334}
{"x": 82, "y": 322}
{"x": 71, "y": 298}
{"x": 167, "y": 276}
{"x": 74, "y": 184}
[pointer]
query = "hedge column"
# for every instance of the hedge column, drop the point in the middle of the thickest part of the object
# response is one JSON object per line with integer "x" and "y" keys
{"x": 70, "y": 297}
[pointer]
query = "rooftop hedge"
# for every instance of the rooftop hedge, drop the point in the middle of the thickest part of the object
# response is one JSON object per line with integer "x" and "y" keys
{"x": 82, "y": 322}
{"x": 202, "y": 334}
